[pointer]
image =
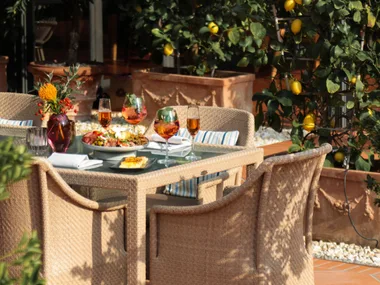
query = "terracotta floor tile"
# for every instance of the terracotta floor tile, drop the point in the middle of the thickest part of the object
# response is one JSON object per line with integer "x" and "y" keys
{"x": 337, "y": 273}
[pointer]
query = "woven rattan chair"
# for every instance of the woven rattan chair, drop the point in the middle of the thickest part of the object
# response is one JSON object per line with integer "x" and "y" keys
{"x": 260, "y": 233}
{"x": 83, "y": 242}
{"x": 213, "y": 119}
{"x": 16, "y": 106}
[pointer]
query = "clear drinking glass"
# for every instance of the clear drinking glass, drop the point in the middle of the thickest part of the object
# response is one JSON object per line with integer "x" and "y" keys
{"x": 193, "y": 126}
{"x": 104, "y": 112}
{"x": 37, "y": 141}
{"x": 134, "y": 109}
{"x": 166, "y": 125}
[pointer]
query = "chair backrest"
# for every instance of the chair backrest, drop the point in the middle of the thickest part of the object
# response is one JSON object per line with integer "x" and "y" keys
{"x": 16, "y": 106}
{"x": 254, "y": 235}
{"x": 220, "y": 119}
{"x": 83, "y": 242}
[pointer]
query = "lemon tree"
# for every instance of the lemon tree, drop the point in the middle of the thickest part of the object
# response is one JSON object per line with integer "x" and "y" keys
{"x": 205, "y": 34}
{"x": 327, "y": 57}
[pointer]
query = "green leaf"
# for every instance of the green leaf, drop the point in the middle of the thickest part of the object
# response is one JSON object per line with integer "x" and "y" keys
{"x": 362, "y": 164}
{"x": 329, "y": 161}
{"x": 338, "y": 4}
{"x": 243, "y": 62}
{"x": 294, "y": 148}
{"x": 363, "y": 56}
{"x": 216, "y": 47}
{"x": 209, "y": 18}
{"x": 332, "y": 87}
{"x": 350, "y": 105}
{"x": 157, "y": 33}
{"x": 357, "y": 17}
{"x": 258, "y": 31}
{"x": 322, "y": 72}
{"x": 234, "y": 36}
{"x": 355, "y": 5}
{"x": 204, "y": 30}
{"x": 359, "y": 85}
{"x": 296, "y": 140}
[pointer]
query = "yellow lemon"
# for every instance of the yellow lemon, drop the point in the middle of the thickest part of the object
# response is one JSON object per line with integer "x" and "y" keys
{"x": 296, "y": 87}
{"x": 339, "y": 156}
{"x": 309, "y": 122}
{"x": 213, "y": 28}
{"x": 289, "y": 5}
{"x": 299, "y": 2}
{"x": 168, "y": 49}
{"x": 296, "y": 26}
{"x": 370, "y": 112}
{"x": 138, "y": 9}
{"x": 353, "y": 80}
{"x": 306, "y": 2}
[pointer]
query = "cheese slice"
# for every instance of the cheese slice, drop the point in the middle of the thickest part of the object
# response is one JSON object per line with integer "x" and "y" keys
{"x": 134, "y": 162}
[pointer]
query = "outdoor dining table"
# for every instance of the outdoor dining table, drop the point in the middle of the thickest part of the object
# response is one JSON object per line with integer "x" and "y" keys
{"x": 136, "y": 184}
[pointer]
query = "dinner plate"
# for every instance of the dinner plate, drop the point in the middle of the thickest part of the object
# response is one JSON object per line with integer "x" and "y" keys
{"x": 150, "y": 162}
{"x": 114, "y": 148}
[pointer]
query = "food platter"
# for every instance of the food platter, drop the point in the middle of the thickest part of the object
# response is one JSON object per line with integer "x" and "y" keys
{"x": 116, "y": 166}
{"x": 112, "y": 143}
{"x": 114, "y": 148}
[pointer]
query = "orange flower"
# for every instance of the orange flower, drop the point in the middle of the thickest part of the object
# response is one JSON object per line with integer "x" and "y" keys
{"x": 48, "y": 92}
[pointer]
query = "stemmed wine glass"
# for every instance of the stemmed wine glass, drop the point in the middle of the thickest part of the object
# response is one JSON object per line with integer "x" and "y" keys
{"x": 134, "y": 109}
{"x": 193, "y": 126}
{"x": 166, "y": 125}
{"x": 104, "y": 112}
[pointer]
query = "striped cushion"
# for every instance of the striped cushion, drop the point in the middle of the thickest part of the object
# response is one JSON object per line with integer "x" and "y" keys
{"x": 212, "y": 137}
{"x": 188, "y": 188}
{"x": 26, "y": 123}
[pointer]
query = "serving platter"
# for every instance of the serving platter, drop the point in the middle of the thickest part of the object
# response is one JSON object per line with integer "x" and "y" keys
{"x": 114, "y": 148}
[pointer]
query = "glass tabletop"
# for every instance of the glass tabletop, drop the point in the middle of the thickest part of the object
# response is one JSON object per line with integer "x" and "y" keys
{"x": 109, "y": 165}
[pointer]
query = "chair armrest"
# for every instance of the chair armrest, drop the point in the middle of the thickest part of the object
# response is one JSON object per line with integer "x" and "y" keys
{"x": 228, "y": 190}
{"x": 212, "y": 189}
{"x": 46, "y": 170}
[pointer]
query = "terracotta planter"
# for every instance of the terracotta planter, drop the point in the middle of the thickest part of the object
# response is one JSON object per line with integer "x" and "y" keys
{"x": 331, "y": 222}
{"x": 90, "y": 75}
{"x": 228, "y": 89}
{"x": 3, "y": 74}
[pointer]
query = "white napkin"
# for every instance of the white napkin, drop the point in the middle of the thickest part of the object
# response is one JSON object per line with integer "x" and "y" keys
{"x": 78, "y": 161}
{"x": 176, "y": 144}
{"x": 172, "y": 140}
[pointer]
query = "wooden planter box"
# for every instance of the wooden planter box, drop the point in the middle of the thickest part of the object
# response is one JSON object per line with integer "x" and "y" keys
{"x": 331, "y": 222}
{"x": 3, "y": 73}
{"x": 90, "y": 75}
{"x": 228, "y": 89}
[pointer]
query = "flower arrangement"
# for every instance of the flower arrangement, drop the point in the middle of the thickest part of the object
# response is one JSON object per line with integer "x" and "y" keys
{"x": 56, "y": 96}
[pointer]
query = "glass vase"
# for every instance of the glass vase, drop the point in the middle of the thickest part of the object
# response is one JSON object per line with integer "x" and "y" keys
{"x": 59, "y": 132}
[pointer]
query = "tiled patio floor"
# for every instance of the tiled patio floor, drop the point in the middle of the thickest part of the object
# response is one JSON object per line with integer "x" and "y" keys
{"x": 337, "y": 273}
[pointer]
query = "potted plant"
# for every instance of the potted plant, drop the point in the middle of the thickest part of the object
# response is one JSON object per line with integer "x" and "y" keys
{"x": 89, "y": 74}
{"x": 21, "y": 265}
{"x": 327, "y": 88}
{"x": 200, "y": 36}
